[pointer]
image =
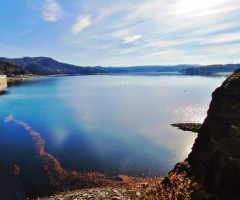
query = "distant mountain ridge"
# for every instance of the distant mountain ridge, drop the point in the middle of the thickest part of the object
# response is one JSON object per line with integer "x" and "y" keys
{"x": 148, "y": 68}
{"x": 49, "y": 66}
{"x": 210, "y": 69}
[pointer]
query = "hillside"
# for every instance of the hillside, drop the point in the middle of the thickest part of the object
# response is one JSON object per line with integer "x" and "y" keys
{"x": 210, "y": 69}
{"x": 49, "y": 66}
{"x": 9, "y": 68}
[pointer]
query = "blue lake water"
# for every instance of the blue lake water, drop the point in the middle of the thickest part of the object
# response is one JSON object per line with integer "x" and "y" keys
{"x": 103, "y": 122}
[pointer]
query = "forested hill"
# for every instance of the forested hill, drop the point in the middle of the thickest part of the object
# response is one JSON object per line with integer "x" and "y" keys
{"x": 210, "y": 69}
{"x": 49, "y": 66}
{"x": 8, "y": 68}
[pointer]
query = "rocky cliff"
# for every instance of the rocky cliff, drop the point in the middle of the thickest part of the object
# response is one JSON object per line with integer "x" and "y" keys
{"x": 215, "y": 158}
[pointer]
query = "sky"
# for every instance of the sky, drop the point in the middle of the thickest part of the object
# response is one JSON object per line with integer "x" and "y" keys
{"x": 122, "y": 33}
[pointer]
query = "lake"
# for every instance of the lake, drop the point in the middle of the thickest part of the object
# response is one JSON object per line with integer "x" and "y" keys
{"x": 106, "y": 123}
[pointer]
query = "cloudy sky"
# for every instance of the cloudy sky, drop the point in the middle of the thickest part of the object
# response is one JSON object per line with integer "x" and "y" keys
{"x": 122, "y": 32}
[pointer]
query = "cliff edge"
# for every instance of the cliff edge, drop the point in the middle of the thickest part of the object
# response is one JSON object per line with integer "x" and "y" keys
{"x": 215, "y": 158}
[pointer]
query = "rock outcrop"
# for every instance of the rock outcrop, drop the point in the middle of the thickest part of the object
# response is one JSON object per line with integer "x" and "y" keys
{"x": 194, "y": 127}
{"x": 215, "y": 158}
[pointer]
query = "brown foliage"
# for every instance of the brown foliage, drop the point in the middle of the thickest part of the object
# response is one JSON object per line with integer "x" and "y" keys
{"x": 180, "y": 187}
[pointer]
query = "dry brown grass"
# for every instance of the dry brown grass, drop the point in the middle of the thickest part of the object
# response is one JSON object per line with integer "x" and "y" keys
{"x": 179, "y": 187}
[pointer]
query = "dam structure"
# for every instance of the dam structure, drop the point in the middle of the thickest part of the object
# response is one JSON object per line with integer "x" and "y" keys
{"x": 3, "y": 82}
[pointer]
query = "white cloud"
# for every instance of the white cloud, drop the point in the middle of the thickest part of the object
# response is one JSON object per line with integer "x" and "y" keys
{"x": 166, "y": 54}
{"x": 131, "y": 38}
{"x": 162, "y": 31}
{"x": 215, "y": 28}
{"x": 120, "y": 33}
{"x": 124, "y": 35}
{"x": 82, "y": 22}
{"x": 51, "y": 10}
{"x": 164, "y": 43}
{"x": 191, "y": 8}
{"x": 227, "y": 37}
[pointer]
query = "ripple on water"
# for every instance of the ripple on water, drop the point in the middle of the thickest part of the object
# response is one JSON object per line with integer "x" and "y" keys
{"x": 190, "y": 112}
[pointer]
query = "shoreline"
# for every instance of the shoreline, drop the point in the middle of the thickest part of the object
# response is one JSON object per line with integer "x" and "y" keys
{"x": 20, "y": 79}
{"x": 26, "y": 77}
{"x": 223, "y": 74}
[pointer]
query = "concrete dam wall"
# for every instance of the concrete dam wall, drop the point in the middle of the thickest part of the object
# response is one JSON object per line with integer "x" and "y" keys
{"x": 3, "y": 82}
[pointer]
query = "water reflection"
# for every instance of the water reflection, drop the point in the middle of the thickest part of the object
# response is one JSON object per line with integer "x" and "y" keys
{"x": 94, "y": 123}
{"x": 47, "y": 175}
{"x": 191, "y": 113}
{"x": 3, "y": 92}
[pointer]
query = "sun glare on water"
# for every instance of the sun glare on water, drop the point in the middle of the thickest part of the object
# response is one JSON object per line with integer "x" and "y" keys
{"x": 190, "y": 113}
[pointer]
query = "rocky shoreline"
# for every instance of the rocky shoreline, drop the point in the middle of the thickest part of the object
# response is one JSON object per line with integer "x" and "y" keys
{"x": 110, "y": 193}
{"x": 135, "y": 191}
{"x": 22, "y": 79}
